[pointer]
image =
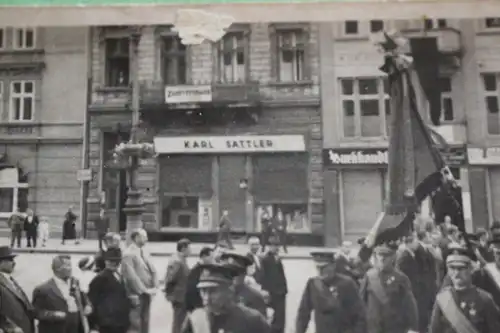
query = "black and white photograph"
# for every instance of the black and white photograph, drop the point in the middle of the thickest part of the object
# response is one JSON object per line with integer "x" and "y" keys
{"x": 272, "y": 167}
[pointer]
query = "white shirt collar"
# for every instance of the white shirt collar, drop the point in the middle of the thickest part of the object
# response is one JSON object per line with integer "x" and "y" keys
{"x": 6, "y": 275}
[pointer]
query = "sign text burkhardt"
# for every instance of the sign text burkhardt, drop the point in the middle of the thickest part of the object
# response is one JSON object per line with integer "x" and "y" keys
{"x": 349, "y": 157}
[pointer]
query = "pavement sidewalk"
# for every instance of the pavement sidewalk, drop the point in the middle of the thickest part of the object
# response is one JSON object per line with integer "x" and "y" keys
{"x": 160, "y": 249}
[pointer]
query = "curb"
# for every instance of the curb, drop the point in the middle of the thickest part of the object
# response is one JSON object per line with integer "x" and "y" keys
{"x": 153, "y": 254}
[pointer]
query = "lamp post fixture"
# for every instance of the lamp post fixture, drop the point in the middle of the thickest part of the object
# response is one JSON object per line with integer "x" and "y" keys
{"x": 130, "y": 153}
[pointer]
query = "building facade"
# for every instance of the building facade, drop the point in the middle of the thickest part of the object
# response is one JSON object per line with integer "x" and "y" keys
{"x": 355, "y": 114}
{"x": 235, "y": 124}
{"x": 41, "y": 120}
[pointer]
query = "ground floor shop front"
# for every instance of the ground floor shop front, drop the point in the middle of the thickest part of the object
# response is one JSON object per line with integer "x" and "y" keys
{"x": 247, "y": 176}
{"x": 356, "y": 184}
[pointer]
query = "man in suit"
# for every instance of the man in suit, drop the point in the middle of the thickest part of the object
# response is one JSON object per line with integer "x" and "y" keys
{"x": 16, "y": 225}
{"x": 109, "y": 298}
{"x": 192, "y": 298}
{"x": 253, "y": 252}
{"x": 16, "y": 311}
{"x": 419, "y": 265}
{"x": 176, "y": 283}
{"x": 141, "y": 280}
{"x": 102, "y": 227}
{"x": 111, "y": 240}
{"x": 224, "y": 234}
{"x": 31, "y": 223}
{"x": 60, "y": 305}
{"x": 221, "y": 312}
{"x": 275, "y": 283}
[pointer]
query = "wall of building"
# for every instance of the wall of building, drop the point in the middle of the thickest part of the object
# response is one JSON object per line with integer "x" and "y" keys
{"x": 287, "y": 108}
{"x": 51, "y": 150}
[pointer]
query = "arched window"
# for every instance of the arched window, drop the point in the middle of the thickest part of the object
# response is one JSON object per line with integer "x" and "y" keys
{"x": 13, "y": 191}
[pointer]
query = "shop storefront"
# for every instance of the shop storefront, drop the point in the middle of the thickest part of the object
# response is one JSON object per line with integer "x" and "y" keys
{"x": 356, "y": 183}
{"x": 249, "y": 176}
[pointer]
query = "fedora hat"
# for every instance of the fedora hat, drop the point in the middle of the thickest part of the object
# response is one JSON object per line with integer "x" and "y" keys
{"x": 113, "y": 254}
{"x": 6, "y": 253}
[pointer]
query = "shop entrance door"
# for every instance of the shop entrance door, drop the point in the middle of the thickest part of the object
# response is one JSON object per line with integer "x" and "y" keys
{"x": 231, "y": 197}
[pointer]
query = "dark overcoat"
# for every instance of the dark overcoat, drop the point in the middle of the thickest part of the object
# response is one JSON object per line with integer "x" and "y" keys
{"x": 15, "y": 308}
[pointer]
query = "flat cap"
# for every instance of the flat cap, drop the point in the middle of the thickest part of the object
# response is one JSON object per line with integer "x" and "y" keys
{"x": 213, "y": 275}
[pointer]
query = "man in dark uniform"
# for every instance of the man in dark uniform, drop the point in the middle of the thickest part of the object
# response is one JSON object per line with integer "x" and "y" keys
{"x": 387, "y": 293}
{"x": 462, "y": 307}
{"x": 275, "y": 283}
{"x": 221, "y": 313}
{"x": 488, "y": 277}
{"x": 244, "y": 294}
{"x": 333, "y": 298}
{"x": 192, "y": 297}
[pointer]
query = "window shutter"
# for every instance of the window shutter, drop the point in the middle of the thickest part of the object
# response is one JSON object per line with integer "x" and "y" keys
{"x": 280, "y": 178}
{"x": 274, "y": 51}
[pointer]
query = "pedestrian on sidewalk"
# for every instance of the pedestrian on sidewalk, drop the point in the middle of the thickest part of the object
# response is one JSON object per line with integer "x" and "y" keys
{"x": 43, "y": 231}
{"x": 16, "y": 224}
{"x": 69, "y": 226}
{"x": 31, "y": 223}
{"x": 102, "y": 226}
{"x": 224, "y": 234}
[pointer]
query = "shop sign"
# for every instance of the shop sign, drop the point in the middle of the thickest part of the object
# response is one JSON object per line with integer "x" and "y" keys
{"x": 368, "y": 156}
{"x": 230, "y": 144}
{"x": 454, "y": 157}
{"x": 484, "y": 156}
{"x": 188, "y": 94}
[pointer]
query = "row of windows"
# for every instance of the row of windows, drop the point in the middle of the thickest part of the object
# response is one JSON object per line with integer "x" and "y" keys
{"x": 365, "y": 106}
{"x": 353, "y": 28}
{"x": 18, "y": 38}
{"x": 20, "y": 100}
{"x": 231, "y": 54}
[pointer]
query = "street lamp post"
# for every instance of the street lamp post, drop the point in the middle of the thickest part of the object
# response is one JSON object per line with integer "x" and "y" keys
{"x": 132, "y": 151}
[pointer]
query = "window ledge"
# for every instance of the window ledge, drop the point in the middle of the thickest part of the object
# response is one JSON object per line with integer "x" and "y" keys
{"x": 488, "y": 32}
{"x": 352, "y": 38}
{"x": 6, "y": 51}
{"x": 20, "y": 123}
{"x": 113, "y": 89}
{"x": 292, "y": 83}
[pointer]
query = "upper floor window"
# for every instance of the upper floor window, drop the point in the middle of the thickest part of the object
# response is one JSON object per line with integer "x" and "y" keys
{"x": 232, "y": 57}
{"x": 2, "y": 38}
{"x": 435, "y": 23}
{"x": 365, "y": 107}
{"x": 448, "y": 113}
{"x": 22, "y": 100}
{"x": 174, "y": 55}
{"x": 292, "y": 52}
{"x": 351, "y": 28}
{"x": 492, "y": 23}
{"x": 24, "y": 38}
{"x": 491, "y": 93}
{"x": 117, "y": 62}
{"x": 376, "y": 25}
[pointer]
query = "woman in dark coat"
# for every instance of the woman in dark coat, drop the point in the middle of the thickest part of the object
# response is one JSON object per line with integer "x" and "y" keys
{"x": 69, "y": 226}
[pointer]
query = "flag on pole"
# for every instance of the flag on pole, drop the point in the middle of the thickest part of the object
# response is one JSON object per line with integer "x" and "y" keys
{"x": 415, "y": 164}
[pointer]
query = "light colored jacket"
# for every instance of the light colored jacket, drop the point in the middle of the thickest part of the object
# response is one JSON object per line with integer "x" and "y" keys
{"x": 138, "y": 271}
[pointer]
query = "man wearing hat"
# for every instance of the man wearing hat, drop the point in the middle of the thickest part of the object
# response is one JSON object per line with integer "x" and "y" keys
{"x": 488, "y": 277}
{"x": 221, "y": 312}
{"x": 462, "y": 307}
{"x": 111, "y": 240}
{"x": 334, "y": 299}
{"x": 108, "y": 296}
{"x": 16, "y": 311}
{"x": 274, "y": 282}
{"x": 387, "y": 293}
{"x": 243, "y": 293}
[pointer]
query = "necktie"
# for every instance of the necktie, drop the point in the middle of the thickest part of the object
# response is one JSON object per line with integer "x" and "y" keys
{"x": 146, "y": 262}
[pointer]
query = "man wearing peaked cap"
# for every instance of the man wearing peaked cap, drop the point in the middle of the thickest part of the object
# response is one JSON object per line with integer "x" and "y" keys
{"x": 462, "y": 307}
{"x": 244, "y": 294}
{"x": 387, "y": 294}
{"x": 488, "y": 277}
{"x": 220, "y": 312}
{"x": 333, "y": 298}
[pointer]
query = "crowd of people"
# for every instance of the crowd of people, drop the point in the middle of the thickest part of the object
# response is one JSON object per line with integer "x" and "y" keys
{"x": 434, "y": 280}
